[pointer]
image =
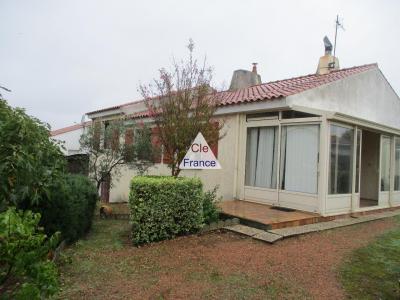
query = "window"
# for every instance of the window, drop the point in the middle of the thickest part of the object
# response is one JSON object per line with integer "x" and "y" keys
{"x": 341, "y": 160}
{"x": 261, "y": 152}
{"x": 397, "y": 165}
{"x": 129, "y": 149}
{"x": 129, "y": 136}
{"x": 96, "y": 135}
{"x": 271, "y": 115}
{"x": 299, "y": 158}
{"x": 115, "y": 139}
{"x": 156, "y": 142}
{"x": 106, "y": 138}
{"x": 385, "y": 164}
{"x": 292, "y": 114}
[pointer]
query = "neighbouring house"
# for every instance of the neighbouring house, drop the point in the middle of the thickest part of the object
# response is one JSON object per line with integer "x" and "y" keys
{"x": 78, "y": 161}
{"x": 327, "y": 142}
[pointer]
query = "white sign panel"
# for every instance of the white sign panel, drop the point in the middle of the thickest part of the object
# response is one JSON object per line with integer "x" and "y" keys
{"x": 199, "y": 156}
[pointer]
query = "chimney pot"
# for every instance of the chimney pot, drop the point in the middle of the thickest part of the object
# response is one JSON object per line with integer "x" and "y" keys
{"x": 254, "y": 68}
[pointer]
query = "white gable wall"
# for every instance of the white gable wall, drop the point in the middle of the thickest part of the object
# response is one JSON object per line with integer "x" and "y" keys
{"x": 225, "y": 177}
{"x": 367, "y": 95}
{"x": 71, "y": 141}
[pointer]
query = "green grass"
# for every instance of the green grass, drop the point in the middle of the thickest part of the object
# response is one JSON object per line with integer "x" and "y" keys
{"x": 373, "y": 272}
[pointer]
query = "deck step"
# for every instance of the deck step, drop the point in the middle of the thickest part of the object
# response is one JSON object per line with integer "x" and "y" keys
{"x": 277, "y": 225}
{"x": 267, "y": 217}
{"x": 273, "y": 235}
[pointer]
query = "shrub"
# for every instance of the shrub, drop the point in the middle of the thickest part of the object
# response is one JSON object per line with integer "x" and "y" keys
{"x": 32, "y": 176}
{"x": 163, "y": 207}
{"x": 25, "y": 271}
{"x": 30, "y": 160}
{"x": 210, "y": 208}
{"x": 70, "y": 207}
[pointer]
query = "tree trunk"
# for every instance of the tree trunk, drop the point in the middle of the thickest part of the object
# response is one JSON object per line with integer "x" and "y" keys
{"x": 105, "y": 189}
{"x": 98, "y": 186}
{"x": 175, "y": 171}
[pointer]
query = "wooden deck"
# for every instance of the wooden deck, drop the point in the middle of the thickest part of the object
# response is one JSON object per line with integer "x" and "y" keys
{"x": 267, "y": 217}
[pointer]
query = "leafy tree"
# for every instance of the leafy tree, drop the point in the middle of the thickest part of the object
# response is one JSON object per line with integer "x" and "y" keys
{"x": 25, "y": 271}
{"x": 182, "y": 103}
{"x": 29, "y": 161}
{"x": 33, "y": 177}
{"x": 109, "y": 152}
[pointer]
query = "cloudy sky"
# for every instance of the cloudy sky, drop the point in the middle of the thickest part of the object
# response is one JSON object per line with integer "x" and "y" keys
{"x": 62, "y": 59}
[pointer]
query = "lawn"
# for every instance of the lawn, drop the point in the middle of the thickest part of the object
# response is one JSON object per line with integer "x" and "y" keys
{"x": 373, "y": 271}
{"x": 218, "y": 265}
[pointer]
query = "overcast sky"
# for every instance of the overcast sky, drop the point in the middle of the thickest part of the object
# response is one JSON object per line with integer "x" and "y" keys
{"x": 62, "y": 59}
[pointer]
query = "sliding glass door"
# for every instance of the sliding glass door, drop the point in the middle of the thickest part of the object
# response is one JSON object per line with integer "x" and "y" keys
{"x": 261, "y": 157}
{"x": 299, "y": 158}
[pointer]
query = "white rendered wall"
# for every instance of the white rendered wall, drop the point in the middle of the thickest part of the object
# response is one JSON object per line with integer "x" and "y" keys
{"x": 71, "y": 141}
{"x": 210, "y": 178}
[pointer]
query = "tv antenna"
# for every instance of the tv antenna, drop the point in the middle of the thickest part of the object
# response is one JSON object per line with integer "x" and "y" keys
{"x": 338, "y": 24}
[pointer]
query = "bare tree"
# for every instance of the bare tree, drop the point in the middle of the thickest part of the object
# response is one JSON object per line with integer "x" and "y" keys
{"x": 112, "y": 145}
{"x": 182, "y": 103}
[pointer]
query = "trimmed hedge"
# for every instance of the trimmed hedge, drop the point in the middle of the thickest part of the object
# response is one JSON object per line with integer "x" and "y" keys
{"x": 70, "y": 207}
{"x": 163, "y": 207}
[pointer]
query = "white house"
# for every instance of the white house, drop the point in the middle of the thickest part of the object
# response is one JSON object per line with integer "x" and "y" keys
{"x": 327, "y": 142}
{"x": 70, "y": 136}
{"x": 78, "y": 161}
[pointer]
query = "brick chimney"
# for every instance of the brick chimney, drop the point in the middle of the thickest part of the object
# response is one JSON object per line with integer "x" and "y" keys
{"x": 328, "y": 62}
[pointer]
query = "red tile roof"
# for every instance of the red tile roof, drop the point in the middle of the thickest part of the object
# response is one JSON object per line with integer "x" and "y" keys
{"x": 271, "y": 90}
{"x": 287, "y": 87}
{"x": 69, "y": 128}
{"x": 115, "y": 107}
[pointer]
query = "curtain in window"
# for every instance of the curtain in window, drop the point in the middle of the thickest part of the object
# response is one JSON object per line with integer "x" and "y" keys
{"x": 261, "y": 157}
{"x": 299, "y": 161}
{"x": 265, "y": 158}
{"x": 251, "y": 155}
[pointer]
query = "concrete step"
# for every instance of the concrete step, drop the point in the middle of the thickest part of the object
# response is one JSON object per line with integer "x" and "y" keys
{"x": 255, "y": 233}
